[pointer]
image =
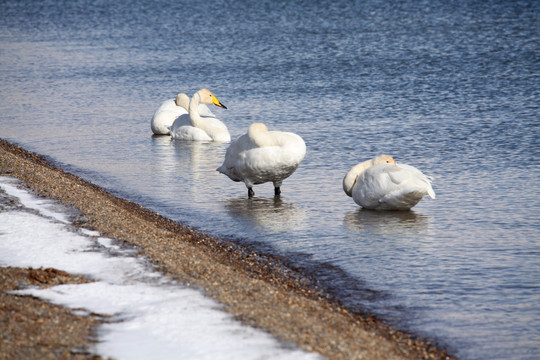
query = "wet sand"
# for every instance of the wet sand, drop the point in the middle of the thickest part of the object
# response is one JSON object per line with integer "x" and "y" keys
{"x": 257, "y": 289}
{"x": 34, "y": 329}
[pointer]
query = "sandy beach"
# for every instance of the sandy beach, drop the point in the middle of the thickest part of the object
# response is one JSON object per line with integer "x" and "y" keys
{"x": 257, "y": 289}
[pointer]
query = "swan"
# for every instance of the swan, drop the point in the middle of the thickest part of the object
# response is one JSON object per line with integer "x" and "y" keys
{"x": 168, "y": 111}
{"x": 172, "y": 109}
{"x": 261, "y": 156}
{"x": 201, "y": 124}
{"x": 381, "y": 184}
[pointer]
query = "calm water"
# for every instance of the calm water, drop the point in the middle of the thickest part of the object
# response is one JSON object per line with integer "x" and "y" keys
{"x": 450, "y": 87}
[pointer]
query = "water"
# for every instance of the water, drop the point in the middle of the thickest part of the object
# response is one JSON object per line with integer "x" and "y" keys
{"x": 452, "y": 88}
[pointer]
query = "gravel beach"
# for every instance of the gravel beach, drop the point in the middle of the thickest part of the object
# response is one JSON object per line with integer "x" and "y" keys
{"x": 257, "y": 289}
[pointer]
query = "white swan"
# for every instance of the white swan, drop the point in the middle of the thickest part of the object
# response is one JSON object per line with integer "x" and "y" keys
{"x": 200, "y": 125}
{"x": 382, "y": 184}
{"x": 261, "y": 156}
{"x": 168, "y": 111}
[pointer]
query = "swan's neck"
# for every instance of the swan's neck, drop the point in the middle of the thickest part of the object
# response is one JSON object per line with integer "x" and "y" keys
{"x": 210, "y": 125}
{"x": 258, "y": 134}
{"x": 193, "y": 111}
{"x": 196, "y": 119}
{"x": 183, "y": 101}
{"x": 350, "y": 179}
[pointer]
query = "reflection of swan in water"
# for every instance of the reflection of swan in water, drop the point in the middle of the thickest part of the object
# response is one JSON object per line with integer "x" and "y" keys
{"x": 272, "y": 214}
{"x": 394, "y": 223}
{"x": 198, "y": 158}
{"x": 162, "y": 158}
{"x": 185, "y": 168}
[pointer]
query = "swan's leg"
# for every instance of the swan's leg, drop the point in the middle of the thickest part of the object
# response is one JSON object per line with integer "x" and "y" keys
{"x": 277, "y": 188}
{"x": 250, "y": 192}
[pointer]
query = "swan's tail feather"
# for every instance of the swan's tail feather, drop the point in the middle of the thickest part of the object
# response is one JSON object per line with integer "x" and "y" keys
{"x": 431, "y": 193}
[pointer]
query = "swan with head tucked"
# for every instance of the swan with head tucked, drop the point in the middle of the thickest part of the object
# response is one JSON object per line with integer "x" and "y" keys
{"x": 381, "y": 184}
{"x": 200, "y": 125}
{"x": 262, "y": 156}
{"x": 168, "y": 111}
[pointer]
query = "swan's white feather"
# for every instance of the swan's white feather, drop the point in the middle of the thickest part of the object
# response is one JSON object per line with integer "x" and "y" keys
{"x": 165, "y": 116}
{"x": 200, "y": 124}
{"x": 182, "y": 129}
{"x": 247, "y": 161}
{"x": 386, "y": 186}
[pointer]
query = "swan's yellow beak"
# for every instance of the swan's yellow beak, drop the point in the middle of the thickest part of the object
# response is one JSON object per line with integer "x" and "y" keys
{"x": 217, "y": 103}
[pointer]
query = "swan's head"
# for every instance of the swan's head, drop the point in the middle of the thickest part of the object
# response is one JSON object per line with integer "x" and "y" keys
{"x": 206, "y": 97}
{"x": 258, "y": 134}
{"x": 259, "y": 127}
{"x": 383, "y": 159}
{"x": 350, "y": 179}
{"x": 182, "y": 100}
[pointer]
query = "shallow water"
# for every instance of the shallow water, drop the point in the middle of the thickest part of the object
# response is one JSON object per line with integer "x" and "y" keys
{"x": 449, "y": 87}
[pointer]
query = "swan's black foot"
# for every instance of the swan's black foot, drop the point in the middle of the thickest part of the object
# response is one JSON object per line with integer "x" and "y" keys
{"x": 277, "y": 191}
{"x": 250, "y": 192}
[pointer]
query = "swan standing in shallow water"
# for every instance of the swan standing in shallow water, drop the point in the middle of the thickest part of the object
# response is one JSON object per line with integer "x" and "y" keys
{"x": 381, "y": 184}
{"x": 261, "y": 156}
{"x": 200, "y": 125}
{"x": 168, "y": 111}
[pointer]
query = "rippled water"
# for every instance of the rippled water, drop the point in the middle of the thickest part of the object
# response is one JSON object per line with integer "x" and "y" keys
{"x": 452, "y": 88}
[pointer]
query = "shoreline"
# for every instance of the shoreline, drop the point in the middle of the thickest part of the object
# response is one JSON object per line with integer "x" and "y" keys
{"x": 257, "y": 289}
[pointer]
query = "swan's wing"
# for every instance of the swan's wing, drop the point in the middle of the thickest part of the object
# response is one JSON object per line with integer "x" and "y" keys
{"x": 188, "y": 132}
{"x": 413, "y": 170}
{"x": 371, "y": 185}
{"x": 269, "y": 163}
{"x": 235, "y": 158}
{"x": 170, "y": 105}
{"x": 291, "y": 143}
{"x": 390, "y": 187}
{"x": 395, "y": 174}
{"x": 163, "y": 120}
{"x": 182, "y": 129}
{"x": 215, "y": 123}
{"x": 166, "y": 105}
{"x": 182, "y": 120}
{"x": 245, "y": 161}
{"x": 167, "y": 113}
{"x": 413, "y": 178}
{"x": 403, "y": 187}
{"x": 216, "y": 129}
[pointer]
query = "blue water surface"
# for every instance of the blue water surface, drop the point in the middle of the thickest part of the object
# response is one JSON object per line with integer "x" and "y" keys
{"x": 451, "y": 87}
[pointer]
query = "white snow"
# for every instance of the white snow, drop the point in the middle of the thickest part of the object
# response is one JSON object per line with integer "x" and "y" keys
{"x": 153, "y": 317}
